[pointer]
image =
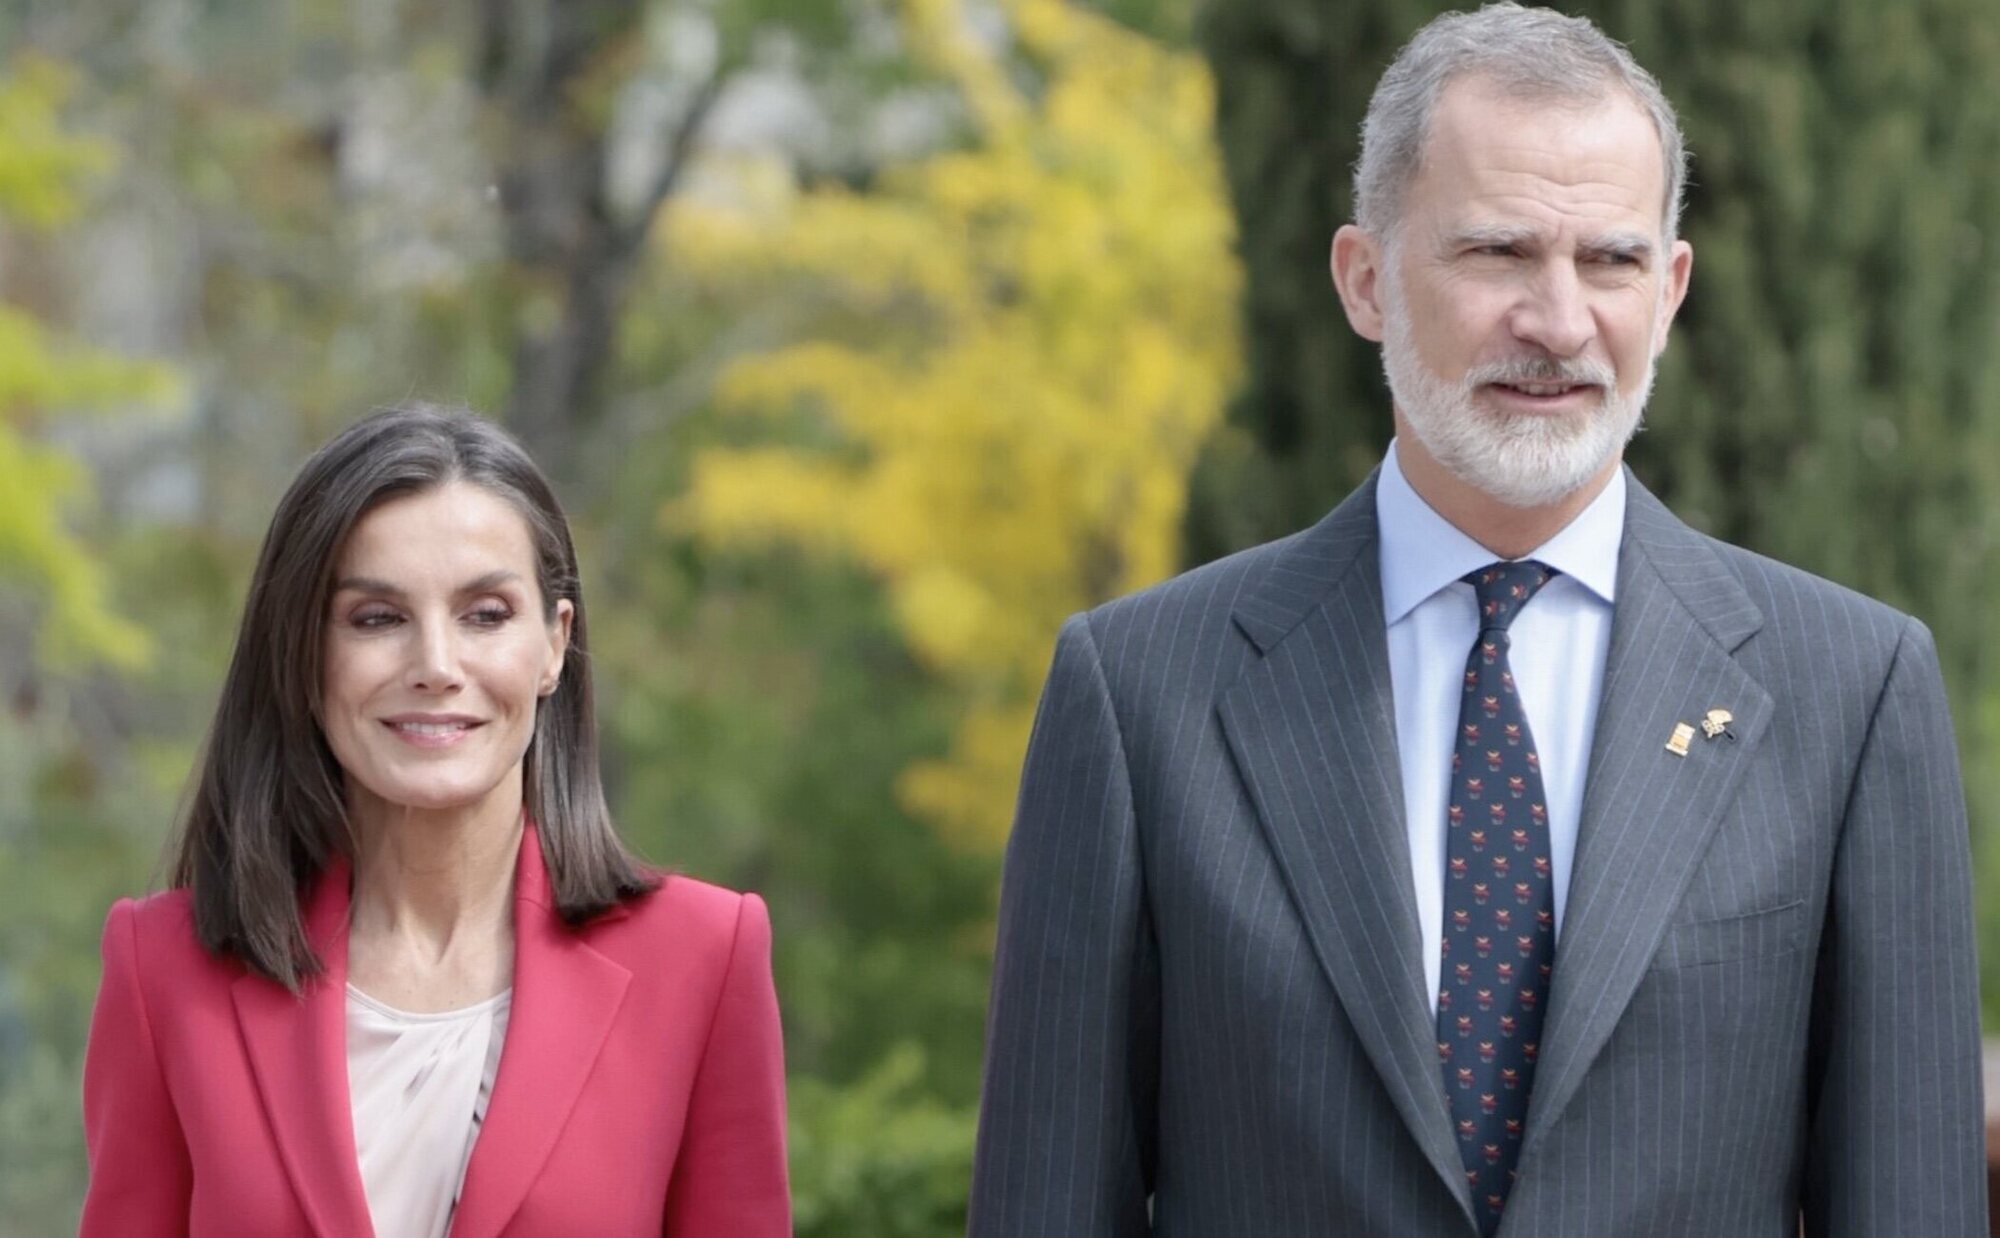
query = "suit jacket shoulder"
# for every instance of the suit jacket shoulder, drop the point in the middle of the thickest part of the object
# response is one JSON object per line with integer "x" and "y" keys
{"x": 1198, "y": 588}
{"x": 1197, "y": 627}
{"x": 1802, "y": 622}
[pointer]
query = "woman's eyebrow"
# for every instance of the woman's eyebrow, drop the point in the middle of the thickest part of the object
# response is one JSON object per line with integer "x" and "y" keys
{"x": 382, "y": 588}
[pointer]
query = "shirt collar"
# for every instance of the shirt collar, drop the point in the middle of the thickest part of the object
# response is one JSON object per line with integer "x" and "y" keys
{"x": 1422, "y": 552}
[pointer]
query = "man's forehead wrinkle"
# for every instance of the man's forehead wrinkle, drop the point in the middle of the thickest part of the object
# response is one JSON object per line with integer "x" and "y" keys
{"x": 1609, "y": 179}
{"x": 1573, "y": 176}
{"x": 1617, "y": 150}
{"x": 1496, "y": 207}
{"x": 1594, "y": 207}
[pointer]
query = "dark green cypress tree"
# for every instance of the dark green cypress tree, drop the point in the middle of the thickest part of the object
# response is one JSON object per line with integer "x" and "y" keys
{"x": 1832, "y": 393}
{"x": 1292, "y": 80}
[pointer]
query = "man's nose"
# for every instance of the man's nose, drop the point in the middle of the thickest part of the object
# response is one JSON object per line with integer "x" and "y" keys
{"x": 1555, "y": 314}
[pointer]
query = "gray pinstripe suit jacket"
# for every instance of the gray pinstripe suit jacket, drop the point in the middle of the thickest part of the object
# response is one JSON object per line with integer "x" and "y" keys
{"x": 1208, "y": 1017}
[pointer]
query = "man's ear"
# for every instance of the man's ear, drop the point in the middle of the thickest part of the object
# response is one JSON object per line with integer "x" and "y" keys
{"x": 1680, "y": 269}
{"x": 1357, "y": 263}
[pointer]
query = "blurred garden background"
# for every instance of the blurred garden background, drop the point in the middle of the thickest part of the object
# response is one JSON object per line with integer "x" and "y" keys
{"x": 866, "y": 340}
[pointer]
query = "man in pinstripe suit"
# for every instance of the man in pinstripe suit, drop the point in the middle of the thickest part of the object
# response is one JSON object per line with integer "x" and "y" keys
{"x": 1498, "y": 855}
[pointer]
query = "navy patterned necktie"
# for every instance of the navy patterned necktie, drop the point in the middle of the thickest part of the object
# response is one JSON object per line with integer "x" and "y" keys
{"x": 1499, "y": 903}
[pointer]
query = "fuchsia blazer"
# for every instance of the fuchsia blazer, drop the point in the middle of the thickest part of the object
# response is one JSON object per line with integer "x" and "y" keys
{"x": 640, "y": 1089}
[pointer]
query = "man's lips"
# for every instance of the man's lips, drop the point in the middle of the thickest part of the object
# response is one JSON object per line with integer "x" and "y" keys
{"x": 1544, "y": 395}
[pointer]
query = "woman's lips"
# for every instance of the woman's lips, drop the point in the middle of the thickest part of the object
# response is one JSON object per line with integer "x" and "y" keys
{"x": 431, "y": 734}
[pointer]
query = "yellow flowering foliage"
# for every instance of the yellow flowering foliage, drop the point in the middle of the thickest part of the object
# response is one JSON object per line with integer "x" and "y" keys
{"x": 1013, "y": 353}
{"x": 44, "y": 171}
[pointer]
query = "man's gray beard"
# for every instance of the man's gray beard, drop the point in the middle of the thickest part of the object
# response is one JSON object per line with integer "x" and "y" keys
{"x": 1520, "y": 459}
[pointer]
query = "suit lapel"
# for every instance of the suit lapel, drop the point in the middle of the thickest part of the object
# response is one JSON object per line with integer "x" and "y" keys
{"x": 1648, "y": 814}
{"x": 566, "y": 996}
{"x": 1312, "y": 728}
{"x": 298, "y": 1055}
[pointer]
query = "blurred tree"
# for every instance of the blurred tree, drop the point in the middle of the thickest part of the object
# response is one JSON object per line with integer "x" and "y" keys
{"x": 1023, "y": 347}
{"x": 881, "y": 1159}
{"x": 303, "y": 214}
{"x": 554, "y": 74}
{"x": 1170, "y": 22}
{"x": 65, "y": 854}
{"x": 58, "y": 868}
{"x": 551, "y": 72}
{"x": 762, "y": 708}
{"x": 44, "y": 171}
{"x": 303, "y": 217}
{"x": 1832, "y": 396}
{"x": 971, "y": 379}
{"x": 1292, "y": 81}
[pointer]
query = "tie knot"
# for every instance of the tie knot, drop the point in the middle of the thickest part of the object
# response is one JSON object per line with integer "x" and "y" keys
{"x": 1504, "y": 588}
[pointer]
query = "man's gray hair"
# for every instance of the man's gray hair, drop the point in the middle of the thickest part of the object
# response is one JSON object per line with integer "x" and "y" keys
{"x": 1526, "y": 53}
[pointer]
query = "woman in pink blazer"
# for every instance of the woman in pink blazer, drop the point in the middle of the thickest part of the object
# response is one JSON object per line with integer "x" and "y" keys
{"x": 407, "y": 980}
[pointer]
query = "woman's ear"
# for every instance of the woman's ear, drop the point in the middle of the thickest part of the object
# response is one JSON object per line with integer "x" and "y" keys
{"x": 559, "y": 644}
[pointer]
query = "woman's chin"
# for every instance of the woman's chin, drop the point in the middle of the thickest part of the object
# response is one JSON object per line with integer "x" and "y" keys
{"x": 432, "y": 798}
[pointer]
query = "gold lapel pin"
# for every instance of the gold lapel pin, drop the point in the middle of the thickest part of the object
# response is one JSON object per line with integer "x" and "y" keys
{"x": 1678, "y": 743}
{"x": 1717, "y": 723}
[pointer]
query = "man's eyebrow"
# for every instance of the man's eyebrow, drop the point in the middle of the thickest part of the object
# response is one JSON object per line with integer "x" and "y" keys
{"x": 1635, "y": 245}
{"x": 382, "y": 588}
{"x": 1480, "y": 235}
{"x": 1619, "y": 245}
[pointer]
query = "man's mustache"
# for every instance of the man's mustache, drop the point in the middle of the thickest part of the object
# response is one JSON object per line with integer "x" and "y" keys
{"x": 1541, "y": 370}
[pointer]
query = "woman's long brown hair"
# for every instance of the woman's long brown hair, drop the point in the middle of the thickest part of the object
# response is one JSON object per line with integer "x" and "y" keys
{"x": 269, "y": 810}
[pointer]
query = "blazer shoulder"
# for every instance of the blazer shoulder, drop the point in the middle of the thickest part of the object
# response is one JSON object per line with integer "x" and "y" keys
{"x": 692, "y": 913}
{"x": 1781, "y": 590}
{"x": 150, "y": 942}
{"x": 162, "y": 927}
{"x": 162, "y": 907}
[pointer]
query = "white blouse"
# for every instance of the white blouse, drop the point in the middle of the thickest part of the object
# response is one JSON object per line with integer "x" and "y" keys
{"x": 419, "y": 1084}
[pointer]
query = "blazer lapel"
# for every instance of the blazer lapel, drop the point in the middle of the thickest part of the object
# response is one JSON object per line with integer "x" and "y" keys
{"x": 565, "y": 998}
{"x": 298, "y": 1055}
{"x": 1312, "y": 727}
{"x": 1647, "y": 814}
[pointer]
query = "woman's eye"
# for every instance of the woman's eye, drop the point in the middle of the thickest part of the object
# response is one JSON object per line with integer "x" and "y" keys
{"x": 375, "y": 618}
{"x": 491, "y": 616}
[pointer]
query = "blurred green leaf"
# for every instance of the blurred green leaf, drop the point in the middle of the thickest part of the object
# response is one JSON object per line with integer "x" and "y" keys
{"x": 879, "y": 1158}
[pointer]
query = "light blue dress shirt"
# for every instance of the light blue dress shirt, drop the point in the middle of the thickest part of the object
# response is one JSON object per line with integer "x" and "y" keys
{"x": 1558, "y": 648}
